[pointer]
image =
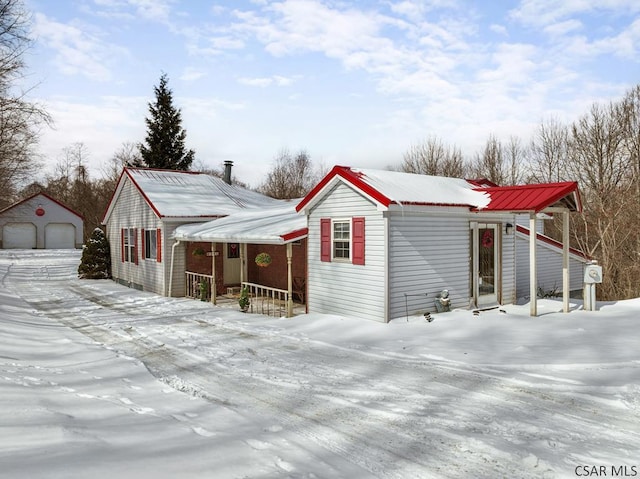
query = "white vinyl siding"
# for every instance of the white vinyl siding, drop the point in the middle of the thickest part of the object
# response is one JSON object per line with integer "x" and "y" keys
{"x": 132, "y": 211}
{"x": 339, "y": 287}
{"x": 426, "y": 255}
{"x": 549, "y": 268}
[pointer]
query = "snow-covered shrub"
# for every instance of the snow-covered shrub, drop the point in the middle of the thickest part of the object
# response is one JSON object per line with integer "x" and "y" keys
{"x": 96, "y": 257}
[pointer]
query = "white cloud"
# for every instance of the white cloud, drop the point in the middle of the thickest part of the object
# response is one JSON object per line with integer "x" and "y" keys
{"x": 263, "y": 82}
{"x": 77, "y": 50}
{"x": 192, "y": 74}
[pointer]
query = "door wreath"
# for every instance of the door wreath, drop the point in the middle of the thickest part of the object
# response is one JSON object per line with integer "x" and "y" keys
{"x": 487, "y": 239}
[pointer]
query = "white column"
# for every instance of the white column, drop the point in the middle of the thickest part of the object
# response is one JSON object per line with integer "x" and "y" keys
{"x": 533, "y": 272}
{"x": 565, "y": 261}
{"x": 214, "y": 293}
{"x": 289, "y": 281}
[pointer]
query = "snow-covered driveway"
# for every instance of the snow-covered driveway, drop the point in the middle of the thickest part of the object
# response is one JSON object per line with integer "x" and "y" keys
{"x": 234, "y": 395}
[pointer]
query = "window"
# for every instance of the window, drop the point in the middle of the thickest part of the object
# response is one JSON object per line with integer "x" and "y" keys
{"x": 341, "y": 239}
{"x": 150, "y": 244}
{"x": 129, "y": 245}
{"x": 233, "y": 250}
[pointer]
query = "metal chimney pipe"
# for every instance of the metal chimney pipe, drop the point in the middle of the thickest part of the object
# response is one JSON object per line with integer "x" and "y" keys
{"x": 227, "y": 171}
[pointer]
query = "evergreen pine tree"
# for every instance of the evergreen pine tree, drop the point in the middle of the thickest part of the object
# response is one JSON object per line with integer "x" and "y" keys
{"x": 164, "y": 145}
{"x": 96, "y": 257}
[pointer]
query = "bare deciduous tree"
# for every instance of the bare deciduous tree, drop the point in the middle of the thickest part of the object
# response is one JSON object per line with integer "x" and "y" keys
{"x": 290, "y": 177}
{"x": 503, "y": 165}
{"x": 19, "y": 118}
{"x": 548, "y": 152}
{"x": 432, "y": 157}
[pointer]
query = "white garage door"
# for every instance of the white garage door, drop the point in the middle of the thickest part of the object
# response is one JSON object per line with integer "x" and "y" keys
{"x": 59, "y": 236}
{"x": 19, "y": 235}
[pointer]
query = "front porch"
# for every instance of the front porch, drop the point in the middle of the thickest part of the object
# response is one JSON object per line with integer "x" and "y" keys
{"x": 262, "y": 299}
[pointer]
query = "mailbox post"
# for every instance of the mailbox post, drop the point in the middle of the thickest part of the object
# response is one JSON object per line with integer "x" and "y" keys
{"x": 592, "y": 276}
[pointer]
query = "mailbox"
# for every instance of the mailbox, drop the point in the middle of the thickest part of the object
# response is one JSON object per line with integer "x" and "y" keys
{"x": 592, "y": 274}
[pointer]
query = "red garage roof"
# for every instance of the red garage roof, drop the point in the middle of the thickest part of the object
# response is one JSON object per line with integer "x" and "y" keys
{"x": 533, "y": 197}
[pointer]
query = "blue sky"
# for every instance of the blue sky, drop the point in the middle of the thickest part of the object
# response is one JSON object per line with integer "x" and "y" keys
{"x": 353, "y": 82}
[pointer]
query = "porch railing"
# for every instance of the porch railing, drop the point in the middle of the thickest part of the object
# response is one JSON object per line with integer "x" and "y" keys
{"x": 266, "y": 300}
{"x": 198, "y": 286}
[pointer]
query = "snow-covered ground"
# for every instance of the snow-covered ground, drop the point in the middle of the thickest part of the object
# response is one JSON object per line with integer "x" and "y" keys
{"x": 101, "y": 381}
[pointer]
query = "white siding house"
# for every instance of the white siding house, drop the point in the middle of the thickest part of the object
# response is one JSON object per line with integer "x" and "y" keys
{"x": 385, "y": 244}
{"x": 146, "y": 208}
{"x": 40, "y": 221}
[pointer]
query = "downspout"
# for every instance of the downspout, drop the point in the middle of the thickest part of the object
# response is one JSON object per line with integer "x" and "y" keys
{"x": 173, "y": 254}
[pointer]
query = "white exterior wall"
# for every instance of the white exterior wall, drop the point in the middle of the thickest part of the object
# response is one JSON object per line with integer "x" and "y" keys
{"x": 345, "y": 288}
{"x": 131, "y": 211}
{"x": 509, "y": 263}
{"x": 427, "y": 253}
{"x": 549, "y": 266}
{"x": 25, "y": 213}
{"x": 431, "y": 251}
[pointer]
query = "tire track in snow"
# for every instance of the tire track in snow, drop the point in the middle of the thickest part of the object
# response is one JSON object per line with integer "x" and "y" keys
{"x": 395, "y": 417}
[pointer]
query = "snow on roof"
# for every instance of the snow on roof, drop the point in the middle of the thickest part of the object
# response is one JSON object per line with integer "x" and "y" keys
{"x": 183, "y": 194}
{"x": 388, "y": 187}
{"x": 406, "y": 188}
{"x": 270, "y": 225}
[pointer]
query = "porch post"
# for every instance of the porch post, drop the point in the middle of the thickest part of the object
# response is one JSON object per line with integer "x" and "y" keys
{"x": 214, "y": 292}
{"x": 243, "y": 253}
{"x": 533, "y": 273}
{"x": 565, "y": 261}
{"x": 289, "y": 281}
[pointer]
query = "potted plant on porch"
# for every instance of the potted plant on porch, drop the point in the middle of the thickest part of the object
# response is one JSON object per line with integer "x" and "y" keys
{"x": 244, "y": 301}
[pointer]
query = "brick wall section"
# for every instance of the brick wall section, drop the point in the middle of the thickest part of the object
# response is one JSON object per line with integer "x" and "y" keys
{"x": 274, "y": 275}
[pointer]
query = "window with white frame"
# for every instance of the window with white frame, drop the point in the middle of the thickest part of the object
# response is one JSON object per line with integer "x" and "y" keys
{"x": 150, "y": 244}
{"x": 129, "y": 244}
{"x": 341, "y": 239}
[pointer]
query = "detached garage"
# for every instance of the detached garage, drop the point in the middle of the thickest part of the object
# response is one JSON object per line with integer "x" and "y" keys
{"x": 40, "y": 222}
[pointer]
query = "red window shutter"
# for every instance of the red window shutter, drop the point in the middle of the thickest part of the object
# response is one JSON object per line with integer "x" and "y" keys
{"x": 358, "y": 240}
{"x": 142, "y": 250}
{"x": 135, "y": 247}
{"x": 122, "y": 245}
{"x": 325, "y": 239}
{"x": 159, "y": 245}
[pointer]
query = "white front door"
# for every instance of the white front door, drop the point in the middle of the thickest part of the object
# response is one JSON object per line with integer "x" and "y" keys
{"x": 486, "y": 280}
{"x": 231, "y": 264}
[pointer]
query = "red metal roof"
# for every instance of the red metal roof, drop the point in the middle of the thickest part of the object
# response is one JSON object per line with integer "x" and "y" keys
{"x": 533, "y": 197}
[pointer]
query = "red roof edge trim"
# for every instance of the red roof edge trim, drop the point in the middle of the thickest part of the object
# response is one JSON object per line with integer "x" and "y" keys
{"x": 552, "y": 242}
{"x": 351, "y": 177}
{"x": 295, "y": 235}
{"x": 49, "y": 198}
{"x": 146, "y": 198}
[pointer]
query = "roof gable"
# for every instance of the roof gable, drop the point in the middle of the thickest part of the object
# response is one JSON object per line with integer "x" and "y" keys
{"x": 50, "y": 198}
{"x": 391, "y": 187}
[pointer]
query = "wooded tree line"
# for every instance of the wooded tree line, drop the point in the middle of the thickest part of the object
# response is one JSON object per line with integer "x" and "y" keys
{"x": 600, "y": 150}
